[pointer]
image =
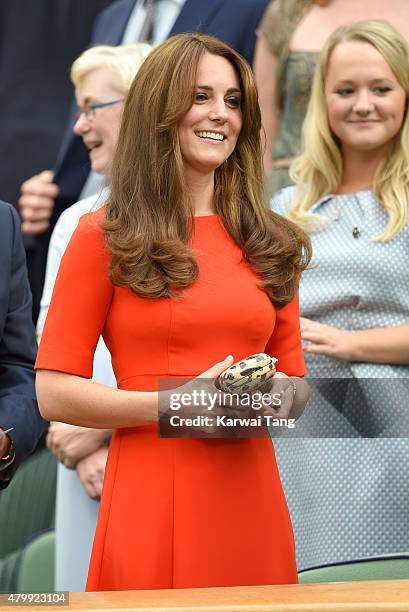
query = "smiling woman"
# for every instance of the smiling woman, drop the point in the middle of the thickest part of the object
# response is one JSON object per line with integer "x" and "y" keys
{"x": 144, "y": 171}
{"x": 99, "y": 131}
{"x": 352, "y": 194}
{"x": 209, "y": 131}
{"x": 356, "y": 129}
{"x": 185, "y": 233}
{"x": 365, "y": 109}
{"x": 102, "y": 76}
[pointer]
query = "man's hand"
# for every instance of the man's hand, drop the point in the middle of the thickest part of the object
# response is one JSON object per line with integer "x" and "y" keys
{"x": 4, "y": 444}
{"x": 36, "y": 202}
{"x": 91, "y": 472}
{"x": 70, "y": 443}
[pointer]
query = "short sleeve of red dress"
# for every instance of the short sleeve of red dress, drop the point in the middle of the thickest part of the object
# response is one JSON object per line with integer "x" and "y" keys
{"x": 285, "y": 341}
{"x": 80, "y": 302}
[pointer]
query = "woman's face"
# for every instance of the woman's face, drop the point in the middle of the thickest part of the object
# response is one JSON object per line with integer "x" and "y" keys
{"x": 100, "y": 132}
{"x": 365, "y": 102}
{"x": 209, "y": 131}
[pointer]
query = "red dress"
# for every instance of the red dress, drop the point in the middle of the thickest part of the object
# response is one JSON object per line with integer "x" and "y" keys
{"x": 178, "y": 513}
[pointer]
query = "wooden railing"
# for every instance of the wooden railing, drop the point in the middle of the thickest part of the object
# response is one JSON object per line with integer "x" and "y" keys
{"x": 371, "y": 596}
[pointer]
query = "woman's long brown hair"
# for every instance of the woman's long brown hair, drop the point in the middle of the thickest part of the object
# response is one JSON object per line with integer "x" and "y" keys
{"x": 149, "y": 218}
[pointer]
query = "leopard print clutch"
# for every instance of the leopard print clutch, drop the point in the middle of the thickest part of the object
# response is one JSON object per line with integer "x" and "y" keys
{"x": 249, "y": 374}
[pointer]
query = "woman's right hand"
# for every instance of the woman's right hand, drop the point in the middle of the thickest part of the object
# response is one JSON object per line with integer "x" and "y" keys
{"x": 215, "y": 370}
{"x": 195, "y": 398}
{"x": 201, "y": 401}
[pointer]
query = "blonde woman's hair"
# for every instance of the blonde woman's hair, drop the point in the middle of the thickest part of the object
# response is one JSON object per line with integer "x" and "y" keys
{"x": 149, "y": 217}
{"x": 318, "y": 170}
{"x": 124, "y": 61}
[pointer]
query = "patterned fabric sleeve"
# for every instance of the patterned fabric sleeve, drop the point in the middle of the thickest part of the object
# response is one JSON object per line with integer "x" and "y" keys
{"x": 270, "y": 27}
{"x": 281, "y": 202}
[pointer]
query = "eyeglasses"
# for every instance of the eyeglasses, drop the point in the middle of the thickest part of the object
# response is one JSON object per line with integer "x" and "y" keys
{"x": 89, "y": 110}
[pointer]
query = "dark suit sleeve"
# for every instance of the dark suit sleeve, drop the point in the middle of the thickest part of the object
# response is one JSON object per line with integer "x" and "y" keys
{"x": 249, "y": 42}
{"x": 73, "y": 165}
{"x": 18, "y": 405}
{"x": 110, "y": 24}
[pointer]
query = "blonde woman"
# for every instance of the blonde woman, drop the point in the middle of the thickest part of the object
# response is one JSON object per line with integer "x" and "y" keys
{"x": 290, "y": 37}
{"x": 184, "y": 236}
{"x": 351, "y": 195}
{"x": 102, "y": 77}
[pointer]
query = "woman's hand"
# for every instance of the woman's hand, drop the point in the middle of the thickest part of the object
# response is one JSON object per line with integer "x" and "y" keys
{"x": 91, "y": 471}
{"x": 281, "y": 397}
{"x": 199, "y": 397}
{"x": 288, "y": 395}
{"x": 70, "y": 443}
{"x": 328, "y": 340}
{"x": 283, "y": 388}
{"x": 293, "y": 393}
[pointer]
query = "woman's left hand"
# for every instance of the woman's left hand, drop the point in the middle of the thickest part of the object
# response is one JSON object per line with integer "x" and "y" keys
{"x": 327, "y": 340}
{"x": 293, "y": 392}
{"x": 282, "y": 391}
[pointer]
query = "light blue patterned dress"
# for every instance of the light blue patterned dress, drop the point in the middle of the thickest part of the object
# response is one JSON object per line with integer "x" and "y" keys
{"x": 346, "y": 475}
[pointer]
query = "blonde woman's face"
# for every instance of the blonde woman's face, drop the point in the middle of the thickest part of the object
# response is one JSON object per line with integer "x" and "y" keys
{"x": 209, "y": 131}
{"x": 99, "y": 128}
{"x": 365, "y": 102}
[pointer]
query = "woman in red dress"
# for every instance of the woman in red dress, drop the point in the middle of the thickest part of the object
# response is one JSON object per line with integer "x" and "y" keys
{"x": 183, "y": 266}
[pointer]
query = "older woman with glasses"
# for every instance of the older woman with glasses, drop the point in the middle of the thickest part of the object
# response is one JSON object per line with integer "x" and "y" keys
{"x": 102, "y": 76}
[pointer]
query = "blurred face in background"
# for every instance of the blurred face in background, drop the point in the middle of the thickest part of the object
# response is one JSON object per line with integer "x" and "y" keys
{"x": 365, "y": 101}
{"x": 99, "y": 127}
